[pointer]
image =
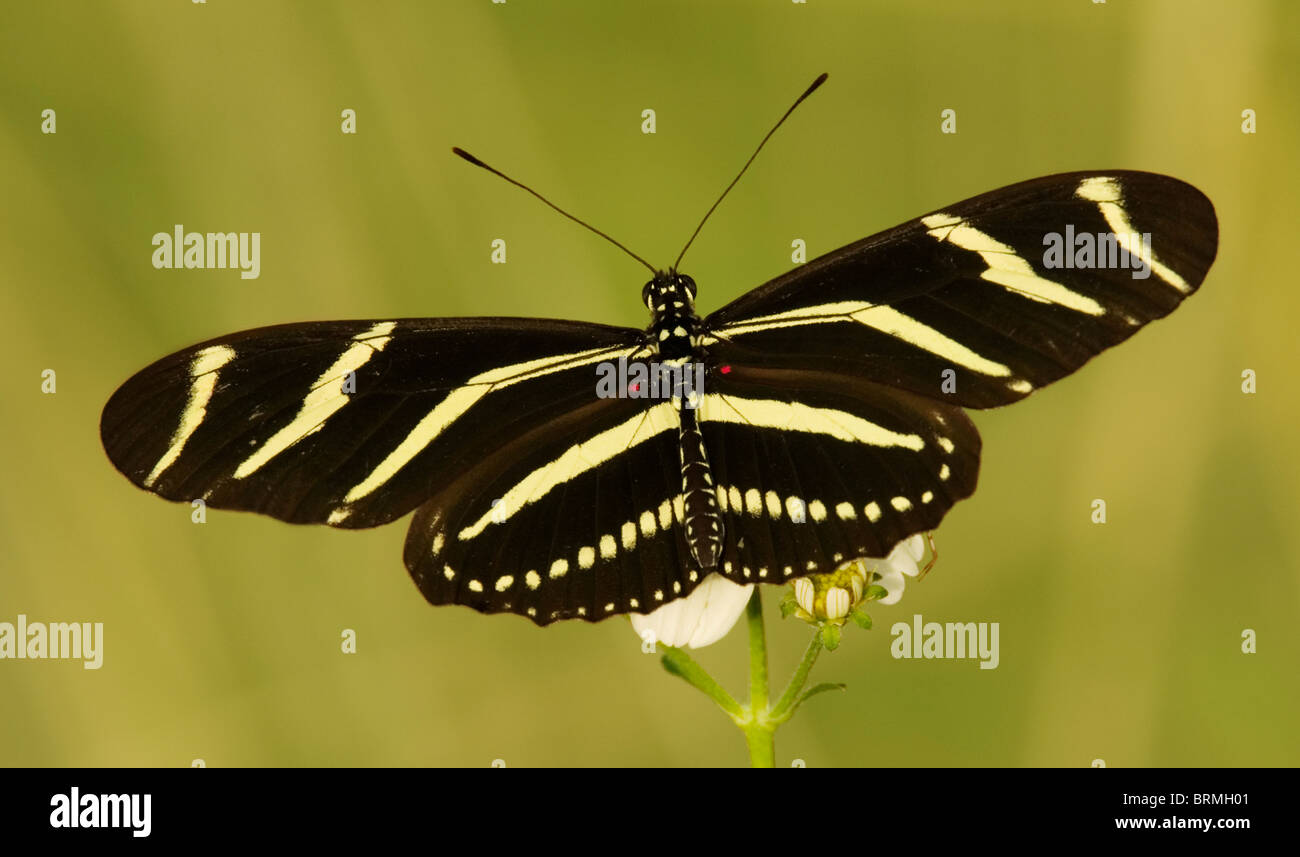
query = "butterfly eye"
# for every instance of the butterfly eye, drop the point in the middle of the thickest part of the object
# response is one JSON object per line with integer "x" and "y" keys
{"x": 691, "y": 288}
{"x": 646, "y": 297}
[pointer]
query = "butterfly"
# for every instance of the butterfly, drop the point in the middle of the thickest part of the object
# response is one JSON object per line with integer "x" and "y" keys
{"x": 563, "y": 469}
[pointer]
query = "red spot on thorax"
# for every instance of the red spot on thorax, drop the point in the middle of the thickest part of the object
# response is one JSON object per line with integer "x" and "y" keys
{"x": 725, "y": 370}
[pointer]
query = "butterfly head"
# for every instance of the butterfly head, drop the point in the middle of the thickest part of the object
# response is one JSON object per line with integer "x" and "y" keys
{"x": 670, "y": 292}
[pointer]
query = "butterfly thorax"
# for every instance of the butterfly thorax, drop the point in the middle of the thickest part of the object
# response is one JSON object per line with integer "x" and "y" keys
{"x": 674, "y": 326}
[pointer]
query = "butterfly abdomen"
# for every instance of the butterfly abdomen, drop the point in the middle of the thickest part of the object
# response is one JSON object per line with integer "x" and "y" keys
{"x": 703, "y": 523}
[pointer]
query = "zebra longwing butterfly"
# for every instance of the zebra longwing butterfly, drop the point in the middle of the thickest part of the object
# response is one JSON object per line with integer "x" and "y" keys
{"x": 829, "y": 425}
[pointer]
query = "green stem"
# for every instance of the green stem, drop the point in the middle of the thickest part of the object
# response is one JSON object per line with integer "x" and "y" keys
{"x": 680, "y": 664}
{"x": 757, "y": 652}
{"x": 758, "y": 720}
{"x": 762, "y": 746}
{"x": 758, "y": 729}
{"x": 785, "y": 705}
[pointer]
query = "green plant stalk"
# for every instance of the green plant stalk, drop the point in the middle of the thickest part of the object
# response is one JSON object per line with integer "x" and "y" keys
{"x": 758, "y": 720}
{"x": 680, "y": 664}
{"x": 788, "y": 702}
{"x": 759, "y": 732}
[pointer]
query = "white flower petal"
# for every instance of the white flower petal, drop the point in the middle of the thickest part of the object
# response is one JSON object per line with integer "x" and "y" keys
{"x": 804, "y": 593}
{"x": 902, "y": 558}
{"x": 837, "y": 603}
{"x": 703, "y": 617}
{"x": 914, "y": 546}
{"x": 892, "y": 580}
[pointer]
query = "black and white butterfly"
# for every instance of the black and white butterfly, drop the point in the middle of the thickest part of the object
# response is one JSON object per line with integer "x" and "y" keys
{"x": 830, "y": 423}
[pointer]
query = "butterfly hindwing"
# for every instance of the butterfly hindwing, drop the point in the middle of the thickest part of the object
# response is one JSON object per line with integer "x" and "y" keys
{"x": 349, "y": 423}
{"x": 814, "y": 468}
{"x": 968, "y": 291}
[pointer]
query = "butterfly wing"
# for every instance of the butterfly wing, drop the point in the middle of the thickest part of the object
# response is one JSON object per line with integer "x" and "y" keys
{"x": 973, "y": 295}
{"x": 832, "y": 417}
{"x": 579, "y": 519}
{"x": 813, "y": 468}
{"x": 349, "y": 423}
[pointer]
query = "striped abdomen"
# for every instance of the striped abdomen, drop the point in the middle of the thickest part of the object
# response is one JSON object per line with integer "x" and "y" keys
{"x": 703, "y": 523}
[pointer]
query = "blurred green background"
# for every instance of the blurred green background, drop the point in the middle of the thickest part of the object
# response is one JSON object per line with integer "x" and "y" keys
{"x": 1119, "y": 642}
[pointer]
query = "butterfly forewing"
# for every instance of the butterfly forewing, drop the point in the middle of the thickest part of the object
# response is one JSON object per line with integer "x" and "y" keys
{"x": 347, "y": 423}
{"x": 972, "y": 291}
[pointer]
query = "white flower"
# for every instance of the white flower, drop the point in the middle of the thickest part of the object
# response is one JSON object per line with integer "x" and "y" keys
{"x": 901, "y": 561}
{"x": 703, "y": 617}
{"x": 709, "y": 612}
{"x": 830, "y": 598}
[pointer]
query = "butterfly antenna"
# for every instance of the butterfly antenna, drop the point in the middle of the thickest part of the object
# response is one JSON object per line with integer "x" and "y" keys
{"x": 821, "y": 78}
{"x": 476, "y": 162}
